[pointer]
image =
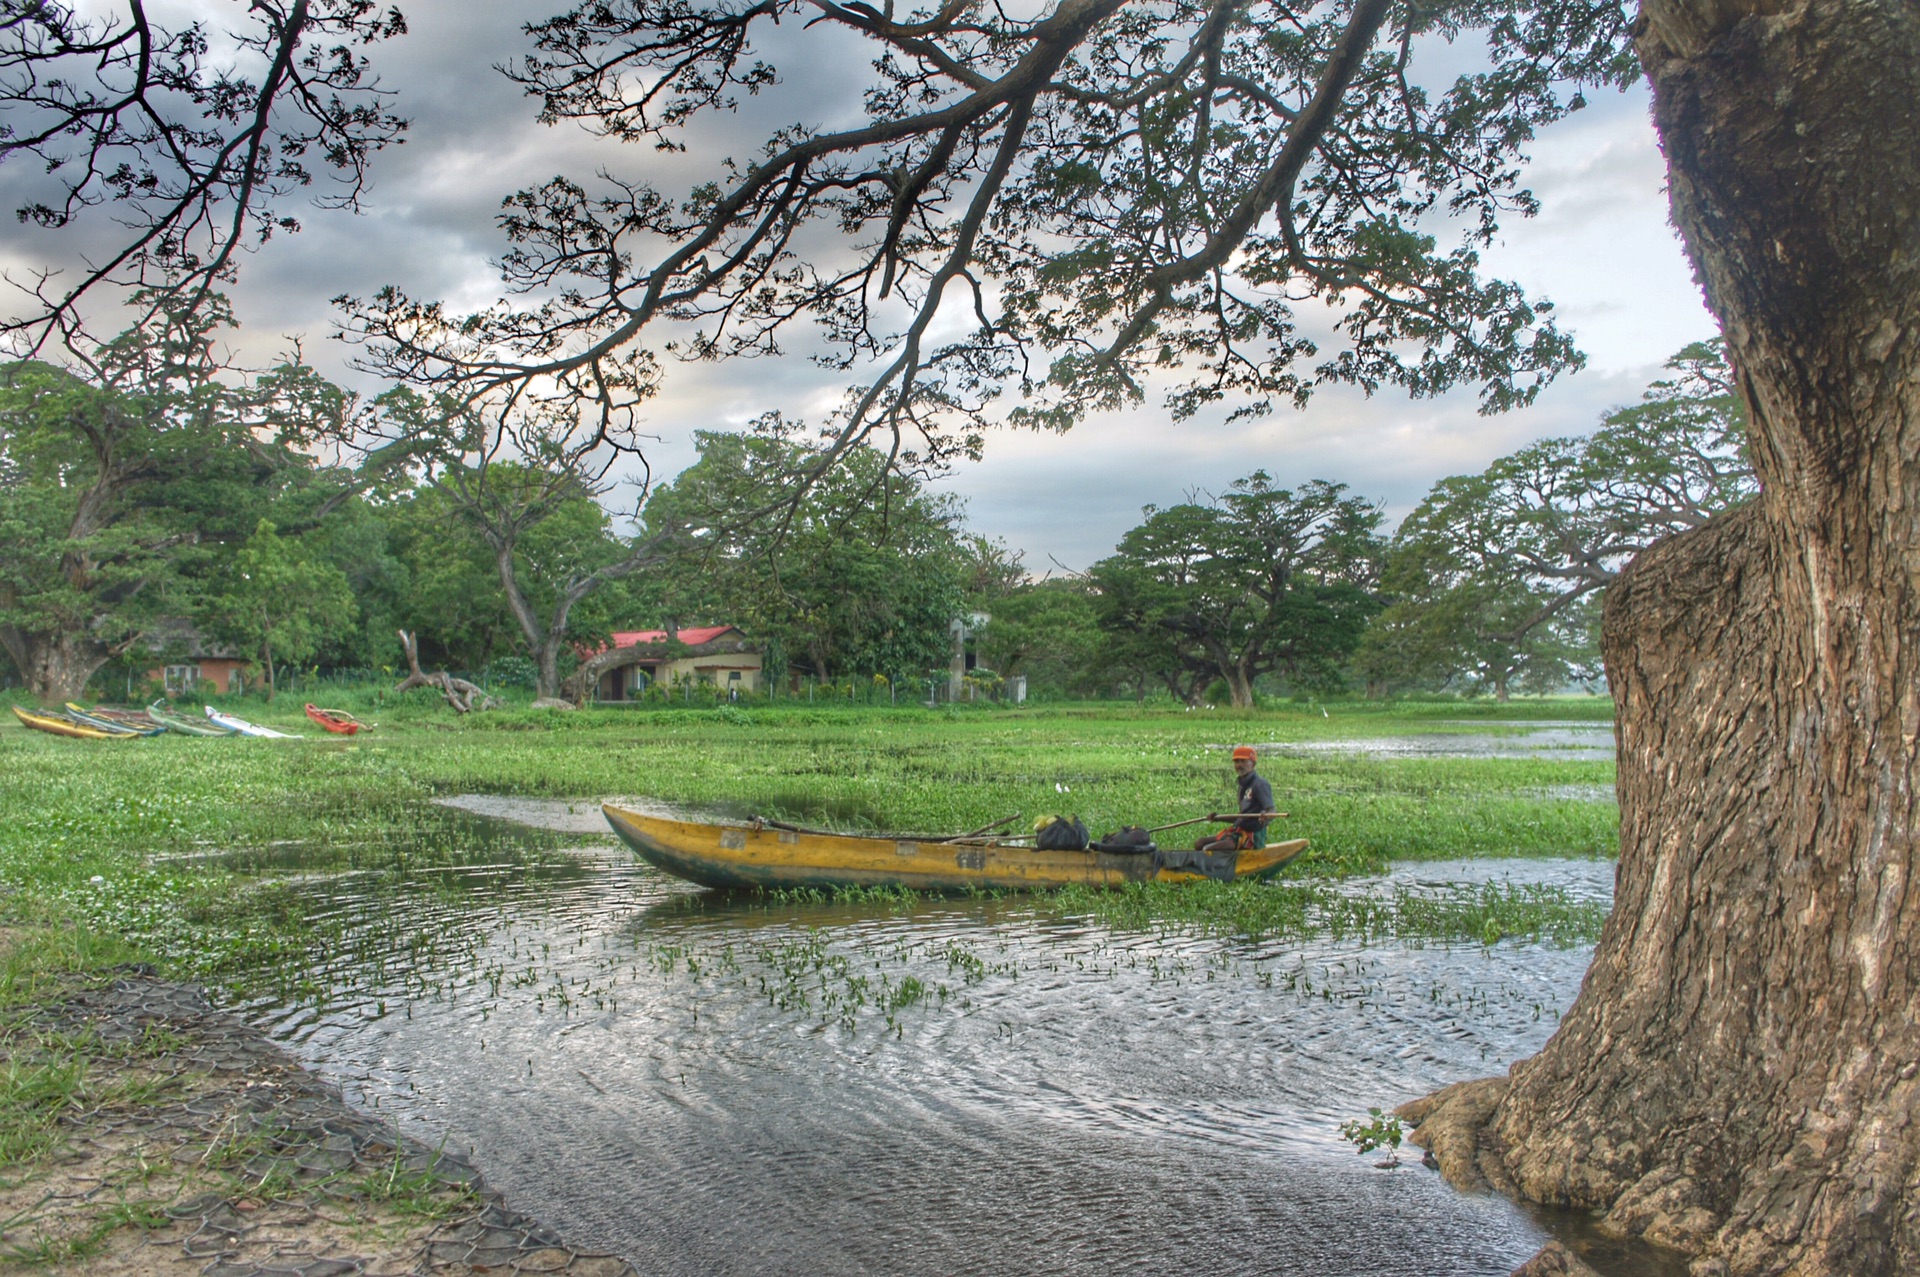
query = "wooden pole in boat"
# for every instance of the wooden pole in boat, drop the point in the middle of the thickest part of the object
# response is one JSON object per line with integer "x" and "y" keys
{"x": 1201, "y": 820}
{"x": 975, "y": 833}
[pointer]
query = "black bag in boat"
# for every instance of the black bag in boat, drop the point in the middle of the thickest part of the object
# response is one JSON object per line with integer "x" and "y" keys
{"x": 1061, "y": 834}
{"x": 1221, "y": 865}
{"x": 1131, "y": 840}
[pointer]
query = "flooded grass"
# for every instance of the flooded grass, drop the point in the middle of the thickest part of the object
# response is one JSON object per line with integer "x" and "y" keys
{"x": 425, "y": 955}
{"x": 1487, "y": 913}
{"x": 325, "y": 872}
{"x": 202, "y": 855}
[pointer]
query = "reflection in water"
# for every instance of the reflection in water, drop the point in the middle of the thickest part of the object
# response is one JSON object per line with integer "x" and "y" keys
{"x": 1585, "y": 743}
{"x": 715, "y": 1085}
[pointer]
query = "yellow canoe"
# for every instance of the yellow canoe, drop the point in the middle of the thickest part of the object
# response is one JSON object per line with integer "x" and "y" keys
{"x": 65, "y": 727}
{"x": 745, "y": 856}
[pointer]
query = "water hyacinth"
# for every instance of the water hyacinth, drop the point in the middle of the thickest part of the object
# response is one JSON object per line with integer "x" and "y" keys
{"x": 260, "y": 823}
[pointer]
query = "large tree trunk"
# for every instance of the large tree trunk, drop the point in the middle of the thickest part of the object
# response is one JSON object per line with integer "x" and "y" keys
{"x": 547, "y": 668}
{"x": 56, "y": 666}
{"x": 1741, "y": 1071}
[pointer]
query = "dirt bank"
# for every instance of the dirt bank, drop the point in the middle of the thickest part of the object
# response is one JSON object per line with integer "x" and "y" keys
{"x": 146, "y": 1133}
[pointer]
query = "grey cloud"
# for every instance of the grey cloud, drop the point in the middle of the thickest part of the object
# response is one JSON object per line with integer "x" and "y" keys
{"x": 1068, "y": 499}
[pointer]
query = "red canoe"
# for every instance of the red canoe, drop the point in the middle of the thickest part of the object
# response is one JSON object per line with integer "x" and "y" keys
{"x": 337, "y": 721}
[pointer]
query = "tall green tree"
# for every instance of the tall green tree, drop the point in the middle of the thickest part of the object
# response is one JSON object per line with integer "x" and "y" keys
{"x": 527, "y": 480}
{"x": 1493, "y": 575}
{"x": 1042, "y": 630}
{"x": 126, "y": 474}
{"x": 1259, "y": 580}
{"x": 359, "y": 539}
{"x": 1048, "y": 632}
{"x": 857, "y": 571}
{"x": 453, "y": 603}
{"x": 279, "y": 601}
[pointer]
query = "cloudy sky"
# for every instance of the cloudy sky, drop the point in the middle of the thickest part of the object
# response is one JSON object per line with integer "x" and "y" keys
{"x": 1601, "y": 249}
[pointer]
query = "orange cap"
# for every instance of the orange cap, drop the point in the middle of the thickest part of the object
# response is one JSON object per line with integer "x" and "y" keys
{"x": 1243, "y": 751}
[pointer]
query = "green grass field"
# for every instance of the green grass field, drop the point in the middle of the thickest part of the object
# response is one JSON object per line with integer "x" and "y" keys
{"x": 168, "y": 850}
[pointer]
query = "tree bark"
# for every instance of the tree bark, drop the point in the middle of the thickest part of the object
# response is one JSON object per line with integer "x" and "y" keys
{"x": 266, "y": 659}
{"x": 55, "y": 664}
{"x": 1740, "y": 1073}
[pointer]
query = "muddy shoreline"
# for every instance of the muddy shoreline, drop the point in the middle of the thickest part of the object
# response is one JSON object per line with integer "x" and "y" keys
{"x": 177, "y": 1139}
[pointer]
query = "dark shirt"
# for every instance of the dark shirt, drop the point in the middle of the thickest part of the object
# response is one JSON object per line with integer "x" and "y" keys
{"x": 1255, "y": 795}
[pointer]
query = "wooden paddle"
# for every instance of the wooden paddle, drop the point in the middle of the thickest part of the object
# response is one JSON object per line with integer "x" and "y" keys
{"x": 1201, "y": 820}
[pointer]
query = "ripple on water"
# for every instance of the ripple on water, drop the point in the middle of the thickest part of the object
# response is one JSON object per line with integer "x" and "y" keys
{"x": 669, "y": 1075}
{"x": 1560, "y": 744}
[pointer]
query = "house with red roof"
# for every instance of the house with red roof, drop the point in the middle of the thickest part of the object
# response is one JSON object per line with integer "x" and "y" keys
{"x": 717, "y": 655}
{"x": 189, "y": 662}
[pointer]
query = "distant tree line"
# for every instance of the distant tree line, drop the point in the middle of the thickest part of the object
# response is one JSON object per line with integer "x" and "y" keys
{"x": 1491, "y": 586}
{"x": 143, "y": 484}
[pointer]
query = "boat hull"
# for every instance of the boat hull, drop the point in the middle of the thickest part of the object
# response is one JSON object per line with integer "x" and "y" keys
{"x": 112, "y": 722}
{"x": 331, "y": 721}
{"x": 732, "y": 856}
{"x": 184, "y": 725}
{"x": 244, "y": 728}
{"x": 66, "y": 727}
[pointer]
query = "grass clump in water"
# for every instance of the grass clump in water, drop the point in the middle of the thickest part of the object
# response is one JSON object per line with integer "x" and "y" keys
{"x": 210, "y": 857}
{"x": 1487, "y": 913}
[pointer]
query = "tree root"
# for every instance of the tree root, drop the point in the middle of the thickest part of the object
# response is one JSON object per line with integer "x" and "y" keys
{"x": 1455, "y": 1125}
{"x": 1452, "y": 1125}
{"x": 1555, "y": 1260}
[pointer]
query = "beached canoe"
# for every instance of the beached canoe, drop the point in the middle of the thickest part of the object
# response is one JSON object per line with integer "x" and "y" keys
{"x": 111, "y": 722}
{"x": 181, "y": 723}
{"x": 337, "y": 721}
{"x": 745, "y": 856}
{"x": 61, "y": 725}
{"x": 138, "y": 719}
{"x": 234, "y": 723}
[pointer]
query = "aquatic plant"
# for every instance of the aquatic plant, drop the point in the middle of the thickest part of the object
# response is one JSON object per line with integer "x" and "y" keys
{"x": 1379, "y": 1130}
{"x": 229, "y": 860}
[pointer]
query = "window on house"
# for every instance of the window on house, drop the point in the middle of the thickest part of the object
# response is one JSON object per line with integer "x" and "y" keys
{"x": 181, "y": 679}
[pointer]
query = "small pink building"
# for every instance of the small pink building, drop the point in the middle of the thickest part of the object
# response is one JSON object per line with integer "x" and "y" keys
{"x": 192, "y": 663}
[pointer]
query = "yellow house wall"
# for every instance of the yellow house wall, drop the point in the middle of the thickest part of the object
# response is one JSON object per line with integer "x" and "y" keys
{"x": 716, "y": 667}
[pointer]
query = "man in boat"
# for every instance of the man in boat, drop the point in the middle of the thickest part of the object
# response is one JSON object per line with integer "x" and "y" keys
{"x": 1256, "y": 801}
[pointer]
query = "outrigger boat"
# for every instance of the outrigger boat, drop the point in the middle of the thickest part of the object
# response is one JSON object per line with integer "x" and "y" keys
{"x": 337, "y": 721}
{"x": 768, "y": 856}
{"x": 60, "y": 725}
{"x": 138, "y": 719}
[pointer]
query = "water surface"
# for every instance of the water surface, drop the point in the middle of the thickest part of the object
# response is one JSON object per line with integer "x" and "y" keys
{"x": 708, "y": 1085}
{"x": 1563, "y": 744}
